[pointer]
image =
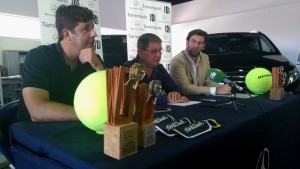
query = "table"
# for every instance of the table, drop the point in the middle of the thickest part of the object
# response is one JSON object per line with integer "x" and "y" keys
{"x": 237, "y": 144}
{"x": 11, "y": 80}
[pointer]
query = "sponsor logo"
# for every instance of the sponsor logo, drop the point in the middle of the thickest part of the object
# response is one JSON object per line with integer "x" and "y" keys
{"x": 129, "y": 135}
{"x": 153, "y": 27}
{"x": 55, "y": 38}
{"x": 48, "y": 25}
{"x": 133, "y": 36}
{"x": 136, "y": 3}
{"x": 91, "y": 4}
{"x": 167, "y": 28}
{"x": 75, "y": 2}
{"x": 167, "y": 66}
{"x": 137, "y": 16}
{"x": 98, "y": 44}
{"x": 96, "y": 19}
{"x": 150, "y": 130}
{"x": 168, "y": 48}
{"x": 137, "y": 24}
{"x": 53, "y": 8}
{"x": 152, "y": 17}
{"x": 166, "y": 56}
{"x": 64, "y": 1}
{"x": 212, "y": 75}
{"x": 167, "y": 10}
{"x": 263, "y": 76}
{"x": 151, "y": 7}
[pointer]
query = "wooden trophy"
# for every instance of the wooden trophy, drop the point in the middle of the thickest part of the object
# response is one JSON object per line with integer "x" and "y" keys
{"x": 277, "y": 90}
{"x": 145, "y": 112}
{"x": 120, "y": 132}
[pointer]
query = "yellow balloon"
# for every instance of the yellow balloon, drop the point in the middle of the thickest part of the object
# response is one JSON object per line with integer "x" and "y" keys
{"x": 90, "y": 101}
{"x": 259, "y": 80}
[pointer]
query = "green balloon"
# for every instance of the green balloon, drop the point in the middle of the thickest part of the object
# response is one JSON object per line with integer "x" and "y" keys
{"x": 90, "y": 101}
{"x": 259, "y": 80}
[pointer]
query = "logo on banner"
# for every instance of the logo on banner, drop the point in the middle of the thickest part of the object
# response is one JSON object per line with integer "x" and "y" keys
{"x": 136, "y": 3}
{"x": 167, "y": 10}
{"x": 48, "y": 25}
{"x": 53, "y": 8}
{"x": 63, "y": 1}
{"x": 137, "y": 24}
{"x": 75, "y": 2}
{"x": 98, "y": 44}
{"x": 55, "y": 38}
{"x": 167, "y": 28}
{"x": 131, "y": 36}
{"x": 152, "y": 17}
{"x": 168, "y": 48}
{"x": 168, "y": 66}
{"x": 91, "y": 4}
{"x": 96, "y": 19}
{"x": 166, "y": 56}
{"x": 165, "y": 36}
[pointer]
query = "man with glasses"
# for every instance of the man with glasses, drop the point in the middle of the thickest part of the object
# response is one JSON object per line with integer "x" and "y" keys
{"x": 149, "y": 52}
{"x": 189, "y": 68}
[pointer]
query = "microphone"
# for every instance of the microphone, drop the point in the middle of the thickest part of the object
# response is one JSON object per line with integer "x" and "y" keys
{"x": 218, "y": 76}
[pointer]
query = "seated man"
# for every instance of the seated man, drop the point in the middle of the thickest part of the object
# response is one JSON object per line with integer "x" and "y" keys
{"x": 149, "y": 54}
{"x": 53, "y": 72}
{"x": 189, "y": 68}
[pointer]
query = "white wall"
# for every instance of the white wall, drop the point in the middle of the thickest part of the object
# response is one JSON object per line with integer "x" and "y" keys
{"x": 16, "y": 44}
{"x": 279, "y": 21}
{"x": 112, "y": 12}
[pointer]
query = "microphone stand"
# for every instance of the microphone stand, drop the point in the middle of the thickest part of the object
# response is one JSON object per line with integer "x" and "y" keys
{"x": 233, "y": 98}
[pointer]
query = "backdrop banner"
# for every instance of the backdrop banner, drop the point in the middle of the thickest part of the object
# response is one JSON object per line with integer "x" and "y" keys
{"x": 144, "y": 16}
{"x": 47, "y": 9}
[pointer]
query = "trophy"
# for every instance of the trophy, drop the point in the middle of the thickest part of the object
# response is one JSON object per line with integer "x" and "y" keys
{"x": 277, "y": 91}
{"x": 145, "y": 112}
{"x": 120, "y": 132}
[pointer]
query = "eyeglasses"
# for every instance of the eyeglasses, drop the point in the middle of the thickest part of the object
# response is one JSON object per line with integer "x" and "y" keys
{"x": 155, "y": 51}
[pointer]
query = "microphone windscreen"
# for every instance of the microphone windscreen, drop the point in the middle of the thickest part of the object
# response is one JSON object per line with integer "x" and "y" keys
{"x": 216, "y": 75}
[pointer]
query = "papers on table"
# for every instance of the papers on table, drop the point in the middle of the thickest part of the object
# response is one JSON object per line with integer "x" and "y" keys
{"x": 185, "y": 104}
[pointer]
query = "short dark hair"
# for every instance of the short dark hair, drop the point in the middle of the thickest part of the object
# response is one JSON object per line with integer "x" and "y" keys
{"x": 145, "y": 39}
{"x": 197, "y": 32}
{"x": 69, "y": 16}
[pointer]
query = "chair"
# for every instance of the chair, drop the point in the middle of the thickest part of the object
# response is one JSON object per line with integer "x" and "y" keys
{"x": 7, "y": 116}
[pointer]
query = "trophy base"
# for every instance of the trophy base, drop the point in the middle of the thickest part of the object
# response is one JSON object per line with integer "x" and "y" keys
{"x": 276, "y": 93}
{"x": 146, "y": 135}
{"x": 121, "y": 141}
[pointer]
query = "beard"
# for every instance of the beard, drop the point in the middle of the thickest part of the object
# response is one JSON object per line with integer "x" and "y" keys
{"x": 193, "y": 52}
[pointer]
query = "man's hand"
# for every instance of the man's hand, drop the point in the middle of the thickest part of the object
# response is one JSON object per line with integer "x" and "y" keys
{"x": 88, "y": 55}
{"x": 224, "y": 89}
{"x": 175, "y": 97}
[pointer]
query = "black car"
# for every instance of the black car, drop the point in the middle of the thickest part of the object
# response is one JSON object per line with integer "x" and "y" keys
{"x": 236, "y": 53}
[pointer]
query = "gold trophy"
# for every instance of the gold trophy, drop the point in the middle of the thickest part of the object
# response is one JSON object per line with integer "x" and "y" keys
{"x": 120, "y": 132}
{"x": 277, "y": 90}
{"x": 145, "y": 112}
